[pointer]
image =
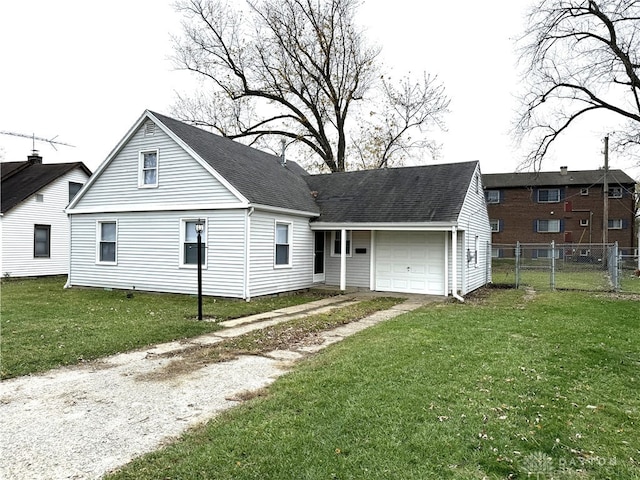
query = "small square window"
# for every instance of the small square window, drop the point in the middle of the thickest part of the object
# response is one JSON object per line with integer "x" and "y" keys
{"x": 39, "y": 198}
{"x": 493, "y": 196}
{"x": 495, "y": 225}
{"x": 42, "y": 241}
{"x": 584, "y": 222}
{"x": 584, "y": 191}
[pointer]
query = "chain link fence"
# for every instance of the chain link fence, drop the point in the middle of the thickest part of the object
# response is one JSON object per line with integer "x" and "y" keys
{"x": 543, "y": 266}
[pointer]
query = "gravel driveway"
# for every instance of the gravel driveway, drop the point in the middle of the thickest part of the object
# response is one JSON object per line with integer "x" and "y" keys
{"x": 83, "y": 421}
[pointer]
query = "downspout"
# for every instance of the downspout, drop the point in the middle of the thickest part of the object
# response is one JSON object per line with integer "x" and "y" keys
{"x": 247, "y": 253}
{"x": 454, "y": 264}
{"x": 68, "y": 283}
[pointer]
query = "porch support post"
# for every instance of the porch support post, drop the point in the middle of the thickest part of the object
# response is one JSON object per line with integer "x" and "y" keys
{"x": 343, "y": 259}
{"x": 454, "y": 264}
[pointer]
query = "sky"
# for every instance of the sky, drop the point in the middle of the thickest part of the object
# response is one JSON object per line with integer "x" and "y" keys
{"x": 83, "y": 72}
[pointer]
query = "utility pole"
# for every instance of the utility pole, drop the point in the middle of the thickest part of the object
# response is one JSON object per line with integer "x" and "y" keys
{"x": 605, "y": 215}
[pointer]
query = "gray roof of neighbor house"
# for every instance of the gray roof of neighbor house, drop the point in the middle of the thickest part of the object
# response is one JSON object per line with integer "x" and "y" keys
{"x": 20, "y": 180}
{"x": 432, "y": 193}
{"x": 554, "y": 179}
{"x": 258, "y": 176}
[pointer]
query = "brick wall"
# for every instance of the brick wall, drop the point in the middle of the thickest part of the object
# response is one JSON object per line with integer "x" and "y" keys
{"x": 519, "y": 210}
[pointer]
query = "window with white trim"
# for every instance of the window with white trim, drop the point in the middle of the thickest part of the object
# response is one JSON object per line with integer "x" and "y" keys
{"x": 548, "y": 226}
{"x": 495, "y": 225}
{"x": 584, "y": 191}
{"x": 493, "y": 196}
{"x": 282, "y": 257}
{"x": 615, "y": 224}
{"x": 42, "y": 241}
{"x": 107, "y": 242}
{"x": 615, "y": 192}
{"x": 148, "y": 169}
{"x": 584, "y": 222}
{"x": 549, "y": 195}
{"x": 189, "y": 249}
{"x": 336, "y": 241}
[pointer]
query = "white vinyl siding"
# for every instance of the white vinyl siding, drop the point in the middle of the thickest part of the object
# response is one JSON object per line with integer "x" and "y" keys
{"x": 181, "y": 174}
{"x": 474, "y": 233}
{"x": 358, "y": 264}
{"x": 18, "y": 231}
{"x": 265, "y": 278}
{"x": 149, "y": 251}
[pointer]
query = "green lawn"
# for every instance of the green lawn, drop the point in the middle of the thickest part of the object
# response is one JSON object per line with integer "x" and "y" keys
{"x": 44, "y": 326}
{"x": 501, "y": 387}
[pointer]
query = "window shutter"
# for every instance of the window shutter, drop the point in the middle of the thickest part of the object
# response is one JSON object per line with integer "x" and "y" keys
{"x": 535, "y": 226}
{"x": 561, "y": 225}
{"x": 625, "y": 223}
{"x": 502, "y": 196}
{"x": 500, "y": 225}
{"x": 535, "y": 195}
{"x": 534, "y": 253}
{"x": 562, "y": 193}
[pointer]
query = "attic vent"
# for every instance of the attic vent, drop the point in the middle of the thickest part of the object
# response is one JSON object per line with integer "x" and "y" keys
{"x": 149, "y": 129}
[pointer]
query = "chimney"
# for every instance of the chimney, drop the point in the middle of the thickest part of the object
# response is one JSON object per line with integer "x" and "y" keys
{"x": 563, "y": 170}
{"x": 34, "y": 158}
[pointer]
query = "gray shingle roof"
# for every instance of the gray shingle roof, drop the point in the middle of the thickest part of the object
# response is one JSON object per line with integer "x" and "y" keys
{"x": 432, "y": 193}
{"x": 257, "y": 175}
{"x": 533, "y": 179}
{"x": 20, "y": 180}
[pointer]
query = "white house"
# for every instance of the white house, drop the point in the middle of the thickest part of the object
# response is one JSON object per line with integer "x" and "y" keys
{"x": 33, "y": 224}
{"x": 269, "y": 227}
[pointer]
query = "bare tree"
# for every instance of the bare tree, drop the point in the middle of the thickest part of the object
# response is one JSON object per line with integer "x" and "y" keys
{"x": 582, "y": 57}
{"x": 295, "y": 69}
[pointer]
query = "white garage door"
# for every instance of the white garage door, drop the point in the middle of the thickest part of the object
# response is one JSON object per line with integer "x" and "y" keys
{"x": 410, "y": 262}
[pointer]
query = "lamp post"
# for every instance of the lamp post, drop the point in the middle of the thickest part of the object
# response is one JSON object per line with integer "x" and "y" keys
{"x": 199, "y": 229}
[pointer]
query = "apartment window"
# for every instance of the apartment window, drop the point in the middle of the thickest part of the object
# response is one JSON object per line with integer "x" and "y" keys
{"x": 42, "y": 241}
{"x": 107, "y": 242}
{"x": 548, "y": 226}
{"x": 493, "y": 196}
{"x": 148, "y": 176}
{"x": 496, "y": 225}
{"x": 615, "y": 192}
{"x": 496, "y": 252}
{"x": 283, "y": 244}
{"x": 615, "y": 224}
{"x": 190, "y": 243}
{"x": 336, "y": 238}
{"x": 546, "y": 253}
{"x": 584, "y": 222}
{"x": 74, "y": 188}
{"x": 584, "y": 191}
{"x": 549, "y": 195}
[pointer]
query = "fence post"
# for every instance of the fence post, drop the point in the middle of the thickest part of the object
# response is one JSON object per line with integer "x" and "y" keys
{"x": 517, "y": 264}
{"x": 617, "y": 267}
{"x": 553, "y": 265}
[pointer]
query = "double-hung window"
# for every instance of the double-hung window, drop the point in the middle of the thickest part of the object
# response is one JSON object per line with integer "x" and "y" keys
{"x": 549, "y": 195}
{"x": 615, "y": 224}
{"x": 548, "y": 226}
{"x": 283, "y": 244}
{"x": 107, "y": 242}
{"x": 148, "y": 169}
{"x": 493, "y": 196}
{"x": 190, "y": 243}
{"x": 42, "y": 241}
{"x": 336, "y": 240}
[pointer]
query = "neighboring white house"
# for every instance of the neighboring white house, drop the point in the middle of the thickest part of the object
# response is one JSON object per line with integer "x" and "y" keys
{"x": 33, "y": 224}
{"x": 269, "y": 227}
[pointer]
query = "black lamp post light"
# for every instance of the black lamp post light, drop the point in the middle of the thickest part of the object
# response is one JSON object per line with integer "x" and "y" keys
{"x": 199, "y": 229}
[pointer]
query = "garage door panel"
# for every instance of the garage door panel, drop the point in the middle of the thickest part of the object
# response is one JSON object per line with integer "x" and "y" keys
{"x": 411, "y": 262}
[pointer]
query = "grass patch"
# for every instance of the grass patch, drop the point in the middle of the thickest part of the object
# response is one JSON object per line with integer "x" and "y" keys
{"x": 44, "y": 326}
{"x": 500, "y": 387}
{"x": 282, "y": 336}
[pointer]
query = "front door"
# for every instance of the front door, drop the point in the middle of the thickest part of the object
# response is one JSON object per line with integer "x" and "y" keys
{"x": 318, "y": 257}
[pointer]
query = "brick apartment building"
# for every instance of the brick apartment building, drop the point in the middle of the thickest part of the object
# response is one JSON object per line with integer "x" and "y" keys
{"x": 562, "y": 206}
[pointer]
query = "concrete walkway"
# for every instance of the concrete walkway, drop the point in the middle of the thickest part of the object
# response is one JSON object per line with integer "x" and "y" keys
{"x": 83, "y": 421}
